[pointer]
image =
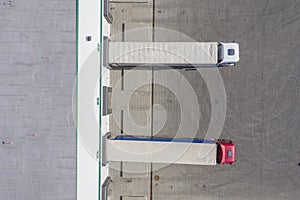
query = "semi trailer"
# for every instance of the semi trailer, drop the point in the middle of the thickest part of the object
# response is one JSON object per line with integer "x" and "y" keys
{"x": 172, "y": 54}
{"x": 168, "y": 150}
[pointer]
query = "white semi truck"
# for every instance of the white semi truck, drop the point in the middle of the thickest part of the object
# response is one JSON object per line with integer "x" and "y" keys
{"x": 172, "y": 54}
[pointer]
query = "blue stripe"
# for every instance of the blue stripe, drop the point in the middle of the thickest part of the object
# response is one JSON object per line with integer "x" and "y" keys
{"x": 153, "y": 139}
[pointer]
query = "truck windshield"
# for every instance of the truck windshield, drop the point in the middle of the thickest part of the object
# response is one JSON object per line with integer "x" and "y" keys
{"x": 219, "y": 154}
{"x": 220, "y": 53}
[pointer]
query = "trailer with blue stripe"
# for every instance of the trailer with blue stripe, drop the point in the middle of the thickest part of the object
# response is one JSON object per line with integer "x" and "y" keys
{"x": 167, "y": 150}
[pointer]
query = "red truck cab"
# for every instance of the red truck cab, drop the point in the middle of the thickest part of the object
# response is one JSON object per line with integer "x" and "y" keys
{"x": 225, "y": 151}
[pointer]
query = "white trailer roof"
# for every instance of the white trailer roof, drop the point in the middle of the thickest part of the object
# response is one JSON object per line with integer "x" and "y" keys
{"x": 161, "y": 152}
{"x": 172, "y": 53}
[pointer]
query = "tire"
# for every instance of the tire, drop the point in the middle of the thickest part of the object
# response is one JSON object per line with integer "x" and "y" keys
{"x": 227, "y": 141}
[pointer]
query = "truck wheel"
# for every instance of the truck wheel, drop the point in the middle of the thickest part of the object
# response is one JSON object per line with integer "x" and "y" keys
{"x": 227, "y": 141}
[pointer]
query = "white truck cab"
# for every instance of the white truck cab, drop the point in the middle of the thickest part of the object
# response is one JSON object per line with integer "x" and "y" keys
{"x": 228, "y": 54}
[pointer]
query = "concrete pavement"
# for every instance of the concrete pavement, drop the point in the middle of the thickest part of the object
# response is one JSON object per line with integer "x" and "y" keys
{"x": 262, "y": 92}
